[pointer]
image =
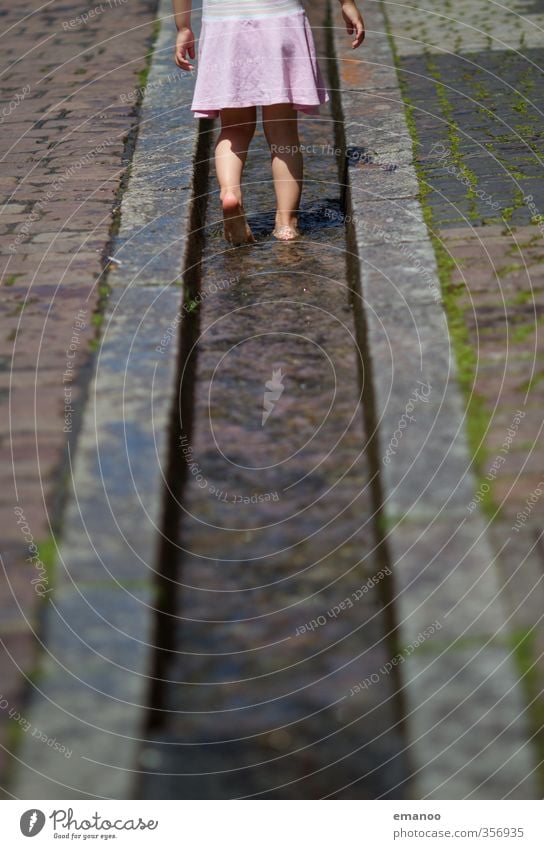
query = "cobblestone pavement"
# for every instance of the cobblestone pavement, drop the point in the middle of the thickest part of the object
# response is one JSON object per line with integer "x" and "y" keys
{"x": 64, "y": 131}
{"x": 98, "y": 625}
{"x": 467, "y": 683}
{"x": 472, "y": 82}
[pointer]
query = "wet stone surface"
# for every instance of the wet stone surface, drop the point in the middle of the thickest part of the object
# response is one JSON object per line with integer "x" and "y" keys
{"x": 277, "y": 527}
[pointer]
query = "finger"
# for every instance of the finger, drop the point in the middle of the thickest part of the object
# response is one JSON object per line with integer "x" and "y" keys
{"x": 360, "y": 35}
{"x": 192, "y": 50}
{"x": 182, "y": 62}
{"x": 187, "y": 65}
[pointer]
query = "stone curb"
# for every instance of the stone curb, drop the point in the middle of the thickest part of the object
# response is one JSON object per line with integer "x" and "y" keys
{"x": 465, "y": 718}
{"x": 92, "y": 689}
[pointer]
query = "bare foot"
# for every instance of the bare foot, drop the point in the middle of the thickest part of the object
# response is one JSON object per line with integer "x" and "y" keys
{"x": 286, "y": 232}
{"x": 236, "y": 228}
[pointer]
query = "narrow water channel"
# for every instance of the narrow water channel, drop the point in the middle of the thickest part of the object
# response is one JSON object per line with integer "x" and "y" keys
{"x": 277, "y": 610}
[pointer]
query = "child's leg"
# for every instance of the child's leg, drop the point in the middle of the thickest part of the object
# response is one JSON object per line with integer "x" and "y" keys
{"x": 281, "y": 131}
{"x": 237, "y": 129}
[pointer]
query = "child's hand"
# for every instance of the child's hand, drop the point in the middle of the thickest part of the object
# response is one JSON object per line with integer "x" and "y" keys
{"x": 185, "y": 44}
{"x": 354, "y": 22}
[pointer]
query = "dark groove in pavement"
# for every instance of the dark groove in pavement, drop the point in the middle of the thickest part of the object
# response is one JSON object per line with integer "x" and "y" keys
{"x": 276, "y": 527}
{"x": 181, "y": 424}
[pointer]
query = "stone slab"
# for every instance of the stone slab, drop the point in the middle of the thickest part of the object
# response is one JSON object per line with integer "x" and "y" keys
{"x": 94, "y": 680}
{"x": 443, "y": 571}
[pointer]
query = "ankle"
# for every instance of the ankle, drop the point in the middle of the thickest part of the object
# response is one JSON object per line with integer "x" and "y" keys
{"x": 228, "y": 194}
{"x": 286, "y": 219}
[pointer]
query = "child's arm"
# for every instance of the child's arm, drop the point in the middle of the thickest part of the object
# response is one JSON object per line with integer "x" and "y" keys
{"x": 185, "y": 40}
{"x": 354, "y": 21}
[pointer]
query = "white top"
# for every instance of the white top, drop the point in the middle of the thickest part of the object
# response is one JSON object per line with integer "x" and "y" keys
{"x": 228, "y": 10}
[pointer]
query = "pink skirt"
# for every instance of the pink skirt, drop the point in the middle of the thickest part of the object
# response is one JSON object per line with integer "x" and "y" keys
{"x": 257, "y": 62}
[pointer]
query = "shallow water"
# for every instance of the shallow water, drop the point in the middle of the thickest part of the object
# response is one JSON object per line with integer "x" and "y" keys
{"x": 277, "y": 525}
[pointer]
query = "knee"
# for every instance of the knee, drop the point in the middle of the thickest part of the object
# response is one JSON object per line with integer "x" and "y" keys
{"x": 247, "y": 128}
{"x": 249, "y": 131}
{"x": 240, "y": 133}
{"x": 281, "y": 133}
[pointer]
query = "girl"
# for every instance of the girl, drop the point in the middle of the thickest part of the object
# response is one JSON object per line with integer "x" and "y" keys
{"x": 256, "y": 53}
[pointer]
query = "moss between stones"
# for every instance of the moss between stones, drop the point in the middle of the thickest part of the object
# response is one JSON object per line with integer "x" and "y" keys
{"x": 453, "y": 134}
{"x": 478, "y": 415}
{"x": 530, "y": 384}
{"x": 523, "y": 331}
{"x": 97, "y": 318}
{"x": 520, "y": 298}
{"x": 47, "y": 548}
{"x": 386, "y": 522}
{"x": 47, "y": 553}
{"x": 143, "y": 75}
{"x": 526, "y": 656}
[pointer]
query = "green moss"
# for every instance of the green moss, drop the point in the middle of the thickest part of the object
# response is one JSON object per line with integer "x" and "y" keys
{"x": 21, "y": 306}
{"x": 454, "y": 136}
{"x": 14, "y": 733}
{"x": 477, "y": 417}
{"x": 48, "y": 552}
{"x": 516, "y": 174}
{"x": 526, "y": 655}
{"x": 530, "y": 384}
{"x": 525, "y": 79}
{"x": 517, "y": 249}
{"x": 481, "y": 92}
{"x": 511, "y": 268}
{"x": 97, "y": 318}
{"x": 518, "y": 203}
{"x": 523, "y": 331}
{"x": 191, "y": 305}
{"x": 116, "y": 216}
{"x": 520, "y": 298}
{"x": 11, "y": 279}
{"x": 143, "y": 75}
{"x": 519, "y": 198}
{"x": 434, "y": 645}
{"x": 386, "y": 522}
